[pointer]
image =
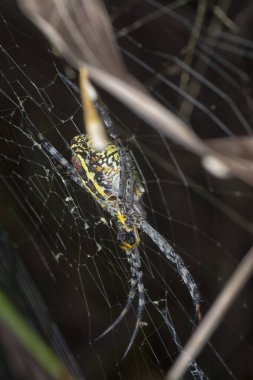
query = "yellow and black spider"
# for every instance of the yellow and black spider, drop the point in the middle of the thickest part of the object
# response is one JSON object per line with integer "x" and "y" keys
{"x": 111, "y": 178}
{"x": 101, "y": 175}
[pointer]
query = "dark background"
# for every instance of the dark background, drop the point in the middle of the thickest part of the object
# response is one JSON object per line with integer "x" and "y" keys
{"x": 209, "y": 221}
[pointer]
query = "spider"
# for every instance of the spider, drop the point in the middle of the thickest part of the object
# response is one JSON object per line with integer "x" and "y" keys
{"x": 112, "y": 179}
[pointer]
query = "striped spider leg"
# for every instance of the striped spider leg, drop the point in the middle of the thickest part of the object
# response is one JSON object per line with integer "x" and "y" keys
{"x": 175, "y": 260}
{"x": 133, "y": 258}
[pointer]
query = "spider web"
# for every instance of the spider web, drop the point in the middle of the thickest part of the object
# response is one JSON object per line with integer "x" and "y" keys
{"x": 66, "y": 241}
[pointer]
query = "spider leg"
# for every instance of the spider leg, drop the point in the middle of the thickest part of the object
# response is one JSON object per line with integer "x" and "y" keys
{"x": 73, "y": 174}
{"x": 126, "y": 184}
{"x": 123, "y": 174}
{"x": 131, "y": 294}
{"x": 177, "y": 262}
{"x": 141, "y": 303}
{"x": 54, "y": 153}
{"x": 129, "y": 194}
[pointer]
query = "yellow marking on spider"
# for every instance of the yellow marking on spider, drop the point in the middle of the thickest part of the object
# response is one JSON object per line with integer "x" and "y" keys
{"x": 109, "y": 170}
{"x": 121, "y": 217}
{"x": 91, "y": 176}
{"x": 93, "y": 194}
{"x": 126, "y": 246}
{"x": 110, "y": 149}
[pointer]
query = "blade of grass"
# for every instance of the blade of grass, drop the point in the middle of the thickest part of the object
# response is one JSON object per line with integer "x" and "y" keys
{"x": 213, "y": 318}
{"x": 31, "y": 340}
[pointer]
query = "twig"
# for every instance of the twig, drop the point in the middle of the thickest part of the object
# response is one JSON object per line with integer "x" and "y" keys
{"x": 213, "y": 318}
